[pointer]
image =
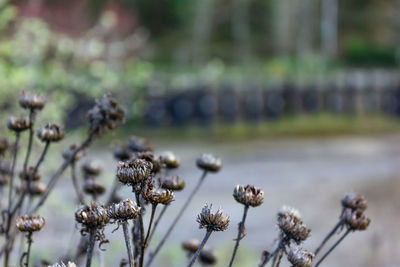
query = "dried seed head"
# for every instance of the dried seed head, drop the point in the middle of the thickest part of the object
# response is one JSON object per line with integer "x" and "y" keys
{"x": 354, "y": 201}
{"x": 356, "y": 219}
{"x": 169, "y": 160}
{"x": 93, "y": 187}
{"x": 208, "y": 257}
{"x": 69, "y": 151}
{"x": 124, "y": 210}
{"x": 286, "y": 210}
{"x": 160, "y": 197}
{"x": 91, "y": 168}
{"x": 36, "y": 188}
{"x": 92, "y": 215}
{"x": 212, "y": 221}
{"x": 134, "y": 171}
{"x": 293, "y": 228}
{"x": 50, "y": 132}
{"x": 174, "y": 183}
{"x": 122, "y": 153}
{"x": 30, "y": 174}
{"x": 18, "y": 124}
{"x": 150, "y": 157}
{"x": 140, "y": 144}
{"x": 300, "y": 257}
{"x": 4, "y": 145}
{"x": 69, "y": 264}
{"x": 32, "y": 223}
{"x": 209, "y": 163}
{"x": 32, "y": 101}
{"x": 248, "y": 195}
{"x": 191, "y": 246}
{"x": 105, "y": 115}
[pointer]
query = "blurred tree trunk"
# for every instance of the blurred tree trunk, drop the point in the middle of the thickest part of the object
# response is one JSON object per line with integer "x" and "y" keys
{"x": 241, "y": 30}
{"x": 329, "y": 27}
{"x": 305, "y": 24}
{"x": 282, "y": 24}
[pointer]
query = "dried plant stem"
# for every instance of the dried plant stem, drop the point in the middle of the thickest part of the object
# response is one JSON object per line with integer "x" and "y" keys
{"x": 141, "y": 229}
{"x": 331, "y": 233}
{"x": 92, "y": 240}
{"x": 239, "y": 236}
{"x": 332, "y": 248}
{"x": 279, "y": 258}
{"x": 157, "y": 221}
{"x": 28, "y": 253}
{"x": 271, "y": 255}
{"x": 206, "y": 237}
{"x": 114, "y": 190}
{"x": 31, "y": 133}
{"x": 146, "y": 240}
{"x": 75, "y": 184}
{"x": 128, "y": 243}
{"x": 184, "y": 207}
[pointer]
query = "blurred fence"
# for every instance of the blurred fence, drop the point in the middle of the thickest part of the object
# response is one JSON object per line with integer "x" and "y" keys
{"x": 354, "y": 92}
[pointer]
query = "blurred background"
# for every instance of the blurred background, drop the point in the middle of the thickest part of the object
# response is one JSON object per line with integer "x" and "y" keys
{"x": 298, "y": 97}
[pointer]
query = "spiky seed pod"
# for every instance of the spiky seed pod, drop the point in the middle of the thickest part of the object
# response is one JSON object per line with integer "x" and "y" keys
{"x": 92, "y": 215}
{"x": 32, "y": 223}
{"x": 208, "y": 257}
{"x": 29, "y": 174}
{"x": 36, "y": 188}
{"x": 300, "y": 257}
{"x": 150, "y": 157}
{"x": 354, "y": 201}
{"x": 212, "y": 221}
{"x": 124, "y": 210}
{"x": 91, "y": 168}
{"x": 209, "y": 163}
{"x": 134, "y": 171}
{"x": 140, "y": 144}
{"x": 290, "y": 211}
{"x": 123, "y": 153}
{"x": 105, "y": 115}
{"x": 174, "y": 183}
{"x": 18, "y": 124}
{"x": 248, "y": 195}
{"x": 50, "y": 132}
{"x": 293, "y": 229}
{"x": 160, "y": 197}
{"x": 4, "y": 145}
{"x": 191, "y": 246}
{"x": 69, "y": 264}
{"x": 169, "y": 160}
{"x": 93, "y": 187}
{"x": 32, "y": 101}
{"x": 69, "y": 151}
{"x": 356, "y": 219}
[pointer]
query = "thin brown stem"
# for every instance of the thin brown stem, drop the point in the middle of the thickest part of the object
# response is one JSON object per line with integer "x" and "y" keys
{"x": 239, "y": 236}
{"x": 206, "y": 237}
{"x": 330, "y": 234}
{"x": 75, "y": 183}
{"x": 332, "y": 248}
{"x": 128, "y": 243}
{"x": 157, "y": 221}
{"x": 271, "y": 255}
{"x": 28, "y": 253}
{"x": 89, "y": 252}
{"x": 141, "y": 229}
{"x": 31, "y": 133}
{"x": 113, "y": 193}
{"x": 153, "y": 211}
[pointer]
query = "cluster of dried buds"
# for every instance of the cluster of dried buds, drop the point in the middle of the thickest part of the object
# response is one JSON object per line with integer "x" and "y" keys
{"x": 123, "y": 211}
{"x": 27, "y": 223}
{"x": 134, "y": 172}
{"x": 300, "y": 257}
{"x": 212, "y": 221}
{"x": 293, "y": 228}
{"x": 354, "y": 206}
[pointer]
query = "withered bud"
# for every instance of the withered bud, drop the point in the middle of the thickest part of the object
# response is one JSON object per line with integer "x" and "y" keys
{"x": 93, "y": 187}
{"x": 300, "y": 257}
{"x": 160, "y": 197}
{"x": 140, "y": 144}
{"x": 290, "y": 211}
{"x": 35, "y": 188}
{"x": 208, "y": 257}
{"x": 212, "y": 221}
{"x": 209, "y": 163}
{"x": 293, "y": 229}
{"x": 356, "y": 219}
{"x": 32, "y": 101}
{"x": 91, "y": 168}
{"x": 70, "y": 150}
{"x": 248, "y": 195}
{"x": 32, "y": 223}
{"x": 150, "y": 157}
{"x": 92, "y": 215}
{"x": 18, "y": 124}
{"x": 50, "y": 132}
{"x": 169, "y": 160}
{"x": 122, "y": 153}
{"x": 354, "y": 201}
{"x": 134, "y": 171}
{"x": 30, "y": 174}
{"x": 124, "y": 210}
{"x": 174, "y": 183}
{"x": 191, "y": 246}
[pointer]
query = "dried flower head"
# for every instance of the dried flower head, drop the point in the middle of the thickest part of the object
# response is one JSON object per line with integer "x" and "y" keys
{"x": 91, "y": 168}
{"x": 32, "y": 223}
{"x": 300, "y": 257}
{"x": 134, "y": 171}
{"x": 124, "y": 210}
{"x": 150, "y": 157}
{"x": 32, "y": 101}
{"x": 18, "y": 124}
{"x": 122, "y": 153}
{"x": 50, "y": 132}
{"x": 248, "y": 195}
{"x": 70, "y": 150}
{"x": 356, "y": 219}
{"x": 160, "y": 197}
{"x": 212, "y": 221}
{"x": 30, "y": 174}
{"x": 293, "y": 228}
{"x": 208, "y": 257}
{"x": 209, "y": 163}
{"x": 290, "y": 211}
{"x": 35, "y": 188}
{"x": 140, "y": 144}
{"x": 4, "y": 145}
{"x": 92, "y": 215}
{"x": 354, "y": 201}
{"x": 105, "y": 115}
{"x": 169, "y": 160}
{"x": 93, "y": 187}
{"x": 174, "y": 183}
{"x": 191, "y": 246}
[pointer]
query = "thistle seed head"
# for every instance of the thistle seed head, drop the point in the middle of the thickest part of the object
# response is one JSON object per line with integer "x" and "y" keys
{"x": 69, "y": 151}
{"x": 160, "y": 197}
{"x": 92, "y": 215}
{"x": 248, "y": 195}
{"x": 287, "y": 210}
{"x": 354, "y": 201}
{"x": 212, "y": 221}
{"x": 174, "y": 183}
{"x": 122, "y": 153}
{"x": 32, "y": 101}
{"x": 293, "y": 228}
{"x": 18, "y": 124}
{"x": 93, "y": 187}
{"x": 32, "y": 223}
{"x": 191, "y": 246}
{"x": 134, "y": 172}
{"x": 170, "y": 160}
{"x": 356, "y": 220}
{"x": 91, "y": 168}
{"x": 209, "y": 163}
{"x": 300, "y": 257}
{"x": 208, "y": 257}
{"x": 140, "y": 144}
{"x": 124, "y": 210}
{"x": 50, "y": 132}
{"x": 30, "y": 174}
